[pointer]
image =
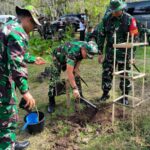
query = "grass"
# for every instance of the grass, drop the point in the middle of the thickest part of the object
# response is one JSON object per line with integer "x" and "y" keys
{"x": 94, "y": 136}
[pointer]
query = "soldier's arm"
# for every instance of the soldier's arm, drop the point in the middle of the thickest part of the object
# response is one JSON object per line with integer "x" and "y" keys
{"x": 16, "y": 62}
{"x": 15, "y": 54}
{"x": 29, "y": 58}
{"x": 101, "y": 37}
{"x": 71, "y": 78}
{"x": 33, "y": 60}
{"x": 76, "y": 69}
{"x": 70, "y": 71}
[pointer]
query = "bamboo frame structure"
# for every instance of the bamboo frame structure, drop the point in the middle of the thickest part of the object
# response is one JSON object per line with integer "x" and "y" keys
{"x": 134, "y": 75}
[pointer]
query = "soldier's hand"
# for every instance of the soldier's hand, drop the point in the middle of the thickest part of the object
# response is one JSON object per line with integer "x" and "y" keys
{"x": 30, "y": 101}
{"x": 76, "y": 94}
{"x": 40, "y": 61}
{"x": 100, "y": 59}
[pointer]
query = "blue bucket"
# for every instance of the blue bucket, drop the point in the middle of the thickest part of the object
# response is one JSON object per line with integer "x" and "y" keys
{"x": 33, "y": 124}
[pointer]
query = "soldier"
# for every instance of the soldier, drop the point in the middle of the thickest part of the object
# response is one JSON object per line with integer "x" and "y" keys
{"x": 120, "y": 22}
{"x": 68, "y": 57}
{"x": 13, "y": 71}
{"x": 82, "y": 29}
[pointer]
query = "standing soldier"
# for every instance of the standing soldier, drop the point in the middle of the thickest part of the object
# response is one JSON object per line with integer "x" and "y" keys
{"x": 82, "y": 29}
{"x": 13, "y": 71}
{"x": 68, "y": 57}
{"x": 120, "y": 22}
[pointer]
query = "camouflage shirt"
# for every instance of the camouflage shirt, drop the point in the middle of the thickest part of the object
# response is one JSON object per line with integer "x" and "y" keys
{"x": 13, "y": 44}
{"x": 69, "y": 53}
{"x": 107, "y": 28}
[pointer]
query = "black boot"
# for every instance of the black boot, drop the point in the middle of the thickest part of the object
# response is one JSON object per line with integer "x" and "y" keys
{"x": 105, "y": 96}
{"x": 51, "y": 106}
{"x": 21, "y": 145}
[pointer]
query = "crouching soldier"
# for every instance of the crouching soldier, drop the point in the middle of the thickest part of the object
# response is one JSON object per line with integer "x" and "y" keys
{"x": 68, "y": 57}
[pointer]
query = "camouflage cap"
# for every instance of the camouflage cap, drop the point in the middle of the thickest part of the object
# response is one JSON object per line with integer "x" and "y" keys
{"x": 31, "y": 9}
{"x": 92, "y": 49}
{"x": 117, "y": 5}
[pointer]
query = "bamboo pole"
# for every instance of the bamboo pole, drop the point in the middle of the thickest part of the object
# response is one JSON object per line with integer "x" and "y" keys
{"x": 144, "y": 69}
{"x": 125, "y": 68}
{"x": 114, "y": 67}
{"x": 132, "y": 74}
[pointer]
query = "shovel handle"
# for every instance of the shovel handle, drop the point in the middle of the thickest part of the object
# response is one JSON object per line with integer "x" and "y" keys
{"x": 89, "y": 103}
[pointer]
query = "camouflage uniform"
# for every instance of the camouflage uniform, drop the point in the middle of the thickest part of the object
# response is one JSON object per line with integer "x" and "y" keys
{"x": 13, "y": 71}
{"x": 69, "y": 53}
{"x": 106, "y": 31}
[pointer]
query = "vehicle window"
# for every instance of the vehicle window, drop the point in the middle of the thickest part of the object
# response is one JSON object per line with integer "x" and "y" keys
{"x": 140, "y": 9}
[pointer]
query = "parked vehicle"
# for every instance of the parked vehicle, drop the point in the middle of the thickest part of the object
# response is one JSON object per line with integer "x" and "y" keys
{"x": 140, "y": 10}
{"x": 68, "y": 19}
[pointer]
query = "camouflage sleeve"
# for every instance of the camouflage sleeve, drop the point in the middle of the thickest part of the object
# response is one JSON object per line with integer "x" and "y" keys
{"x": 71, "y": 59}
{"x": 101, "y": 36}
{"x": 70, "y": 62}
{"x": 29, "y": 58}
{"x": 16, "y": 49}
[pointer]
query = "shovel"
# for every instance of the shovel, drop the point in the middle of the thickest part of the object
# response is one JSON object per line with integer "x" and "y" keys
{"x": 88, "y": 103}
{"x": 32, "y": 118}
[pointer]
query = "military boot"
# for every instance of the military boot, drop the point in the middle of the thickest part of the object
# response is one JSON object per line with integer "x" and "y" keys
{"x": 105, "y": 96}
{"x": 21, "y": 145}
{"x": 51, "y": 106}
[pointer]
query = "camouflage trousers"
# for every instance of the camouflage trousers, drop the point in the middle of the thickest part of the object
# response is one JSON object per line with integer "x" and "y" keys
{"x": 107, "y": 75}
{"x": 8, "y": 116}
{"x": 55, "y": 71}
